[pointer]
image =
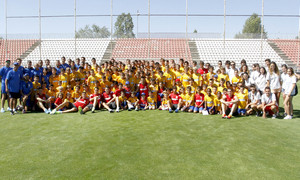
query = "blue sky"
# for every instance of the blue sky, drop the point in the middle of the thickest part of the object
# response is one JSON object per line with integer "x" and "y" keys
{"x": 61, "y": 27}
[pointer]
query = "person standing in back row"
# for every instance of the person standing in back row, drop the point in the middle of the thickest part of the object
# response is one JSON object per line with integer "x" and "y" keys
{"x": 3, "y": 73}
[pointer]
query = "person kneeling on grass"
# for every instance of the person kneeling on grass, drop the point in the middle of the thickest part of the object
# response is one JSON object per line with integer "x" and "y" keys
{"x": 42, "y": 101}
{"x": 95, "y": 102}
{"x": 253, "y": 100}
{"x": 81, "y": 103}
{"x": 151, "y": 101}
{"x": 268, "y": 104}
{"x": 209, "y": 102}
{"x": 189, "y": 100}
{"x": 133, "y": 102}
{"x": 229, "y": 104}
{"x": 242, "y": 103}
{"x": 111, "y": 101}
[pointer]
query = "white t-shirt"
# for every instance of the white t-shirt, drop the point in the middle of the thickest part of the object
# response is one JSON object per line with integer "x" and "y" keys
{"x": 289, "y": 81}
{"x": 254, "y": 75}
{"x": 261, "y": 82}
{"x": 283, "y": 77}
{"x": 274, "y": 81}
{"x": 231, "y": 73}
{"x": 254, "y": 97}
{"x": 267, "y": 100}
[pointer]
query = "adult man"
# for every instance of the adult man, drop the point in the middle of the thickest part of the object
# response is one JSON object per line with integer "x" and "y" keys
{"x": 232, "y": 70}
{"x": 268, "y": 104}
{"x": 13, "y": 86}
{"x": 3, "y": 73}
{"x": 229, "y": 104}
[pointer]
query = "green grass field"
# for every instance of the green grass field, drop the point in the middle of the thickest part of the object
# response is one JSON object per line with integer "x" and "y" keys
{"x": 148, "y": 145}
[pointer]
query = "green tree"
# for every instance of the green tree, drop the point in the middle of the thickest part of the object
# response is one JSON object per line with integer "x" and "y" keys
{"x": 252, "y": 28}
{"x": 93, "y": 32}
{"x": 195, "y": 31}
{"x": 124, "y": 26}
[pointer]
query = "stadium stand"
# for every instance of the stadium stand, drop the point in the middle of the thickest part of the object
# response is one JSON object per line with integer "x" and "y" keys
{"x": 289, "y": 48}
{"x": 159, "y": 48}
{"x": 211, "y": 50}
{"x": 15, "y": 48}
{"x": 54, "y": 49}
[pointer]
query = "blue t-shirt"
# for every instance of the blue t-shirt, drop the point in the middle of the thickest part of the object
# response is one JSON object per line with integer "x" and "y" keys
{"x": 3, "y": 73}
{"x": 14, "y": 81}
{"x": 65, "y": 66}
{"x": 46, "y": 79}
{"x": 21, "y": 69}
{"x": 26, "y": 87}
{"x": 29, "y": 71}
{"x": 38, "y": 72}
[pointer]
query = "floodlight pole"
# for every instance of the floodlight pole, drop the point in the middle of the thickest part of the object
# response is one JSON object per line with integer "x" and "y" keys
{"x": 186, "y": 29}
{"x": 148, "y": 29}
{"x": 6, "y": 47}
{"x": 298, "y": 42}
{"x": 111, "y": 27}
{"x": 262, "y": 30}
{"x": 137, "y": 23}
{"x": 224, "y": 31}
{"x": 40, "y": 30}
{"x": 75, "y": 38}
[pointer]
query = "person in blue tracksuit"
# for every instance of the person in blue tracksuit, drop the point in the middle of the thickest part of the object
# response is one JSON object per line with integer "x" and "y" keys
{"x": 3, "y": 73}
{"x": 26, "y": 92}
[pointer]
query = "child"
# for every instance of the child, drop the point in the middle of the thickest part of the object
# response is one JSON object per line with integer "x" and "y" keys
{"x": 165, "y": 104}
{"x": 143, "y": 102}
{"x": 189, "y": 97}
{"x": 59, "y": 99}
{"x": 95, "y": 102}
{"x": 151, "y": 101}
{"x": 199, "y": 100}
{"x": 132, "y": 102}
{"x": 243, "y": 99}
{"x": 123, "y": 100}
{"x": 76, "y": 93}
{"x": 218, "y": 105}
{"x": 209, "y": 102}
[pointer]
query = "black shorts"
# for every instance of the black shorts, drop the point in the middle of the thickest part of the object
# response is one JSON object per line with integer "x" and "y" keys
{"x": 228, "y": 110}
{"x": 71, "y": 106}
{"x": 112, "y": 105}
{"x": 14, "y": 95}
{"x": 174, "y": 106}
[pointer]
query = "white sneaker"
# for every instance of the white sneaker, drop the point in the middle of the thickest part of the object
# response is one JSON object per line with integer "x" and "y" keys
{"x": 288, "y": 117}
{"x": 117, "y": 110}
{"x": 2, "y": 110}
{"x": 274, "y": 116}
{"x": 8, "y": 109}
{"x": 53, "y": 112}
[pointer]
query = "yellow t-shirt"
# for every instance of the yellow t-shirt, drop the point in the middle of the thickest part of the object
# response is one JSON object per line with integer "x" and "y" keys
{"x": 243, "y": 99}
{"x": 236, "y": 79}
{"x": 132, "y": 99}
{"x": 209, "y": 100}
{"x": 151, "y": 101}
{"x": 217, "y": 104}
{"x": 185, "y": 80}
{"x": 92, "y": 80}
{"x": 189, "y": 98}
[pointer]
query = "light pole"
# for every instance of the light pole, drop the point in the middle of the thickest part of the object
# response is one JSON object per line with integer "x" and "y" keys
{"x": 137, "y": 23}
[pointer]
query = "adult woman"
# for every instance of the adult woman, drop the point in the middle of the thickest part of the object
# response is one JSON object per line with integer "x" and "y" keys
{"x": 274, "y": 79}
{"x": 261, "y": 80}
{"x": 290, "y": 91}
{"x": 283, "y": 80}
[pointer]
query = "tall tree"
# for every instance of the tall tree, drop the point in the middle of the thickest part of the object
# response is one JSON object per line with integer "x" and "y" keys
{"x": 252, "y": 28}
{"x": 93, "y": 32}
{"x": 195, "y": 31}
{"x": 124, "y": 26}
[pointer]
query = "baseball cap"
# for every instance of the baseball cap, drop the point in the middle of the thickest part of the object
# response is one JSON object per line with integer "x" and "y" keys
{"x": 177, "y": 80}
{"x": 143, "y": 94}
{"x": 127, "y": 82}
{"x": 16, "y": 63}
{"x": 215, "y": 76}
{"x": 7, "y": 60}
{"x": 26, "y": 74}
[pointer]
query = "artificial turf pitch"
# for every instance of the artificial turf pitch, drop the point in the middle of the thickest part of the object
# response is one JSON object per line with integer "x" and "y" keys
{"x": 148, "y": 145}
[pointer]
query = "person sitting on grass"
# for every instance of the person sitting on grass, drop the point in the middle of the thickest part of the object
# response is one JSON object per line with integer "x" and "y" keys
{"x": 110, "y": 100}
{"x": 199, "y": 100}
{"x": 218, "y": 103}
{"x": 268, "y": 104}
{"x": 165, "y": 103}
{"x": 209, "y": 102}
{"x": 143, "y": 102}
{"x": 42, "y": 102}
{"x": 95, "y": 102}
{"x": 242, "y": 103}
{"x": 151, "y": 101}
{"x": 123, "y": 100}
{"x": 189, "y": 97}
{"x": 175, "y": 101}
{"x": 253, "y": 100}
{"x": 133, "y": 102}
{"x": 81, "y": 103}
{"x": 229, "y": 104}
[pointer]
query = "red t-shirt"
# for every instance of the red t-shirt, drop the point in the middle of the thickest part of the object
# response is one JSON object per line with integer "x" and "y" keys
{"x": 160, "y": 91}
{"x": 228, "y": 99}
{"x": 82, "y": 103}
{"x": 202, "y": 71}
{"x": 199, "y": 98}
{"x": 107, "y": 97}
{"x": 127, "y": 91}
{"x": 143, "y": 103}
{"x": 144, "y": 89}
{"x": 118, "y": 92}
{"x": 95, "y": 95}
{"x": 175, "y": 98}
{"x": 58, "y": 101}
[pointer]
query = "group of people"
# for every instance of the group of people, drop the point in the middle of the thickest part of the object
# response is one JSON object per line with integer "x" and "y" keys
{"x": 77, "y": 86}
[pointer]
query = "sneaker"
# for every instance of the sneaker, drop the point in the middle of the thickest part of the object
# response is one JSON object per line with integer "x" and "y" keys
{"x": 80, "y": 110}
{"x": 23, "y": 111}
{"x": 2, "y": 110}
{"x": 49, "y": 110}
{"x": 46, "y": 111}
{"x": 129, "y": 109}
{"x": 8, "y": 109}
{"x": 170, "y": 111}
{"x": 12, "y": 113}
{"x": 176, "y": 111}
{"x": 58, "y": 112}
{"x": 229, "y": 117}
{"x": 136, "y": 109}
{"x": 288, "y": 117}
{"x": 111, "y": 111}
{"x": 117, "y": 110}
{"x": 53, "y": 111}
{"x": 274, "y": 116}
{"x": 224, "y": 116}
{"x": 257, "y": 114}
